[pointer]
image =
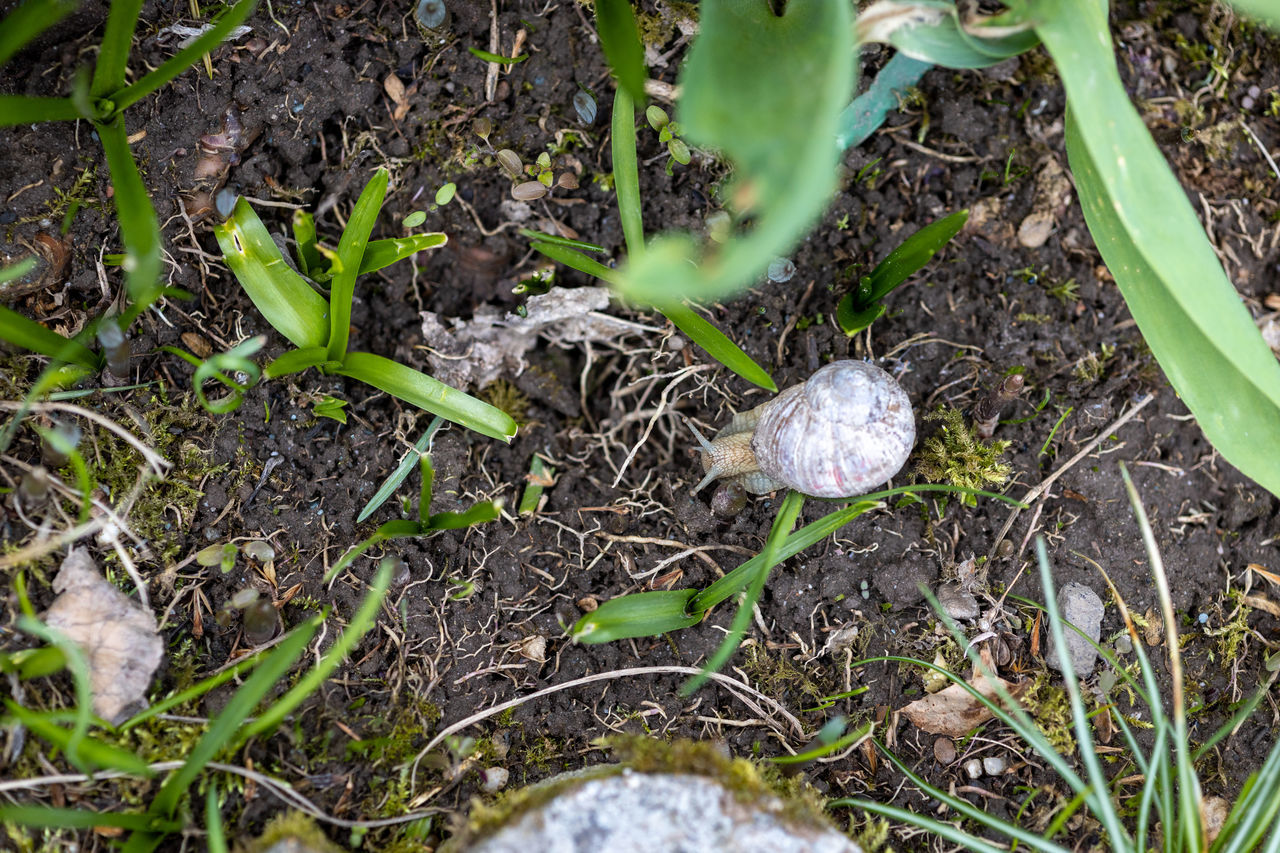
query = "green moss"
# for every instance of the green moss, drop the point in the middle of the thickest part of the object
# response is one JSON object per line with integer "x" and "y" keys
{"x": 1051, "y": 710}
{"x": 957, "y": 456}
{"x": 291, "y": 825}
{"x": 778, "y": 676}
{"x": 1232, "y": 635}
{"x": 1093, "y": 366}
{"x": 503, "y": 395}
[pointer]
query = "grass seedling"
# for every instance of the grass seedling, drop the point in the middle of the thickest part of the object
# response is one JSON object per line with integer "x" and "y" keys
{"x": 319, "y": 327}
{"x": 398, "y": 476}
{"x": 1169, "y": 804}
{"x": 865, "y": 304}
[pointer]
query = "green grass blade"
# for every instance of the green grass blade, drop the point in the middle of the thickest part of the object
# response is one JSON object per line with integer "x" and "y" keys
{"x": 556, "y": 239}
{"x": 222, "y": 730}
{"x": 61, "y": 818}
{"x": 717, "y": 344}
{"x": 620, "y": 39}
{"x": 93, "y": 754}
{"x": 575, "y": 260}
{"x": 427, "y": 474}
{"x": 216, "y": 839}
{"x": 350, "y": 253}
{"x": 186, "y": 57}
{"x": 30, "y": 335}
{"x": 626, "y": 168}
{"x": 286, "y": 301}
{"x": 770, "y": 557}
{"x": 1255, "y": 812}
{"x": 113, "y": 54}
{"x": 641, "y": 614}
{"x": 26, "y": 109}
{"x": 33, "y": 663}
{"x": 384, "y": 253}
{"x": 138, "y": 225}
{"x": 16, "y": 270}
{"x": 942, "y": 830}
{"x": 195, "y": 691}
{"x": 398, "y": 476}
{"x": 479, "y": 513}
{"x": 360, "y": 624}
{"x": 399, "y": 529}
{"x": 304, "y": 234}
{"x": 78, "y": 664}
{"x": 298, "y": 360}
{"x": 1149, "y": 236}
{"x": 28, "y": 21}
{"x": 429, "y": 394}
{"x": 1263, "y": 10}
{"x": 912, "y": 254}
{"x": 766, "y": 90}
{"x": 805, "y": 537}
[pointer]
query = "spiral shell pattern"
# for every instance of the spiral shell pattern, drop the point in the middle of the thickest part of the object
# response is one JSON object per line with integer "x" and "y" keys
{"x": 847, "y": 429}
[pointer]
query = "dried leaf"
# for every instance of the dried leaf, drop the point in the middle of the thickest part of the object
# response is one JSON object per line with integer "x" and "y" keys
{"x": 953, "y": 711}
{"x": 394, "y": 88}
{"x": 117, "y": 634}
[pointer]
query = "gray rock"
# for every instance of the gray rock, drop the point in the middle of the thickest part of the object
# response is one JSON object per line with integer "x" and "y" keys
{"x": 957, "y": 602}
{"x": 643, "y": 812}
{"x": 1080, "y": 606}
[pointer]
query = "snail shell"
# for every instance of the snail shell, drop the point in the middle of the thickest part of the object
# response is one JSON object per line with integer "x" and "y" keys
{"x": 848, "y": 428}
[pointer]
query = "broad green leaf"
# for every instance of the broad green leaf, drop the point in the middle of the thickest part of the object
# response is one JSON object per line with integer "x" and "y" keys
{"x": 626, "y": 170}
{"x": 1267, "y": 11}
{"x": 851, "y": 320}
{"x": 766, "y": 91}
{"x": 138, "y": 225}
{"x": 913, "y": 253}
{"x": 717, "y": 344}
{"x": 930, "y": 31}
{"x": 286, "y": 300}
{"x": 575, "y": 260}
{"x": 384, "y": 253}
{"x": 23, "y": 109}
{"x": 28, "y": 21}
{"x": 355, "y": 238}
{"x": 298, "y": 360}
{"x": 620, "y": 38}
{"x": 30, "y": 335}
{"x": 867, "y": 111}
{"x": 186, "y": 57}
{"x": 64, "y": 818}
{"x": 1149, "y": 236}
{"x": 479, "y": 513}
{"x": 434, "y": 396}
{"x": 33, "y": 663}
{"x": 641, "y": 614}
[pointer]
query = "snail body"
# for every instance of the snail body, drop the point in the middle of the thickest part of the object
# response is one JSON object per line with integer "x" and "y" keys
{"x": 846, "y": 429}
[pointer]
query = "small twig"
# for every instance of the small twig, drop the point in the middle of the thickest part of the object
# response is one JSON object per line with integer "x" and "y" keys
{"x": 1258, "y": 142}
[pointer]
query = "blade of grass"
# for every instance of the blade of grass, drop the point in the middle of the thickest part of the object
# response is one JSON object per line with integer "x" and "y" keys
{"x": 398, "y": 529}
{"x": 216, "y": 838}
{"x": 113, "y": 53}
{"x": 33, "y": 663}
{"x": 28, "y": 109}
{"x": 79, "y": 667}
{"x": 912, "y": 254}
{"x": 360, "y": 624}
{"x": 355, "y": 237}
{"x": 304, "y": 235}
{"x": 186, "y": 57}
{"x": 641, "y": 614}
{"x": 626, "y": 170}
{"x": 783, "y": 522}
{"x": 936, "y": 827}
{"x": 196, "y": 690}
{"x": 427, "y": 393}
{"x": 557, "y": 240}
{"x": 620, "y": 39}
{"x": 30, "y": 335}
{"x": 575, "y": 260}
{"x": 138, "y": 225}
{"x": 384, "y": 253}
{"x": 389, "y": 485}
{"x": 93, "y": 754}
{"x": 717, "y": 344}
{"x": 63, "y": 818}
{"x": 28, "y": 21}
{"x": 281, "y": 295}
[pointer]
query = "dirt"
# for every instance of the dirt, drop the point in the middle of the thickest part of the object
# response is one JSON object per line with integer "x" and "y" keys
{"x": 453, "y": 638}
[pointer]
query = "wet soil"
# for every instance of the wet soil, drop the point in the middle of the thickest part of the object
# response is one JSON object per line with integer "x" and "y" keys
{"x": 463, "y": 631}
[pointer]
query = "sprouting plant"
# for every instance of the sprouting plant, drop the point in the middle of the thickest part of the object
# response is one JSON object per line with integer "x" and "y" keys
{"x": 319, "y": 325}
{"x": 536, "y": 180}
{"x": 864, "y": 305}
{"x": 668, "y": 135}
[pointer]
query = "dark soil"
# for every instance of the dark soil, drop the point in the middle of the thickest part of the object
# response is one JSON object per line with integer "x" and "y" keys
{"x": 454, "y": 638}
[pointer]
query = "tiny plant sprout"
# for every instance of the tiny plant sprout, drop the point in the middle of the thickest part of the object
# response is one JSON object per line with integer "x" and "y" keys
{"x": 53, "y": 449}
{"x": 585, "y": 106}
{"x": 781, "y": 269}
{"x": 679, "y": 151}
{"x": 244, "y": 597}
{"x": 258, "y": 549}
{"x": 432, "y": 14}
{"x": 261, "y": 622}
{"x": 221, "y": 555}
{"x": 510, "y": 162}
{"x": 115, "y": 347}
{"x": 657, "y": 117}
{"x": 445, "y": 194}
{"x": 413, "y": 220}
{"x": 482, "y": 127}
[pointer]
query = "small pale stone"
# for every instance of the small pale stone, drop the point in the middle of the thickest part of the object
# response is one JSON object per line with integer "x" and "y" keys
{"x": 1080, "y": 606}
{"x": 973, "y": 768}
{"x": 1035, "y": 229}
{"x": 494, "y": 779}
{"x": 993, "y": 765}
{"x": 957, "y": 603}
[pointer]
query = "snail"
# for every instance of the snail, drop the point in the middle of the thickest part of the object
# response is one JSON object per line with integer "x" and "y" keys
{"x": 849, "y": 427}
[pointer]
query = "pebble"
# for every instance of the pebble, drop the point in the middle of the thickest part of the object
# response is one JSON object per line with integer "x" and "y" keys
{"x": 494, "y": 779}
{"x": 973, "y": 768}
{"x": 1080, "y": 606}
{"x": 944, "y": 750}
{"x": 957, "y": 603}
{"x": 642, "y": 812}
{"x": 993, "y": 765}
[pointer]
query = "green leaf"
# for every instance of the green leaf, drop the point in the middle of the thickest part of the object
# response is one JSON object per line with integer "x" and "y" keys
{"x": 398, "y": 476}
{"x": 1149, "y": 236}
{"x": 28, "y": 21}
{"x": 493, "y": 57}
{"x": 717, "y": 345}
{"x": 851, "y": 320}
{"x": 113, "y": 53}
{"x": 575, "y": 260}
{"x": 93, "y": 753}
{"x": 304, "y": 235}
{"x": 384, "y": 253}
{"x": 867, "y": 111}
{"x": 930, "y": 31}
{"x": 556, "y": 239}
{"x": 351, "y": 252}
{"x": 186, "y": 57}
{"x": 24, "y": 109}
{"x": 298, "y": 360}
{"x": 138, "y": 225}
{"x": 61, "y": 818}
{"x": 33, "y": 663}
{"x": 641, "y": 614}
{"x": 1264, "y": 10}
{"x": 479, "y": 513}
{"x": 910, "y": 255}
{"x": 282, "y": 296}
{"x": 626, "y": 170}
{"x": 429, "y": 394}
{"x": 30, "y": 335}
{"x": 766, "y": 91}
{"x": 620, "y": 39}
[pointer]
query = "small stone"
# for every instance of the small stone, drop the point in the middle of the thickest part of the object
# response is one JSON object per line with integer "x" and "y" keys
{"x": 588, "y": 604}
{"x": 1124, "y": 645}
{"x": 494, "y": 779}
{"x": 973, "y": 768}
{"x": 993, "y": 765}
{"x": 944, "y": 750}
{"x": 1080, "y": 606}
{"x": 957, "y": 603}
{"x": 534, "y": 648}
{"x": 1035, "y": 229}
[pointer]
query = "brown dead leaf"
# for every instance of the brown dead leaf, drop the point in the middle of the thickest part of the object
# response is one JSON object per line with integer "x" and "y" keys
{"x": 394, "y": 88}
{"x": 117, "y": 634}
{"x": 954, "y": 712}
